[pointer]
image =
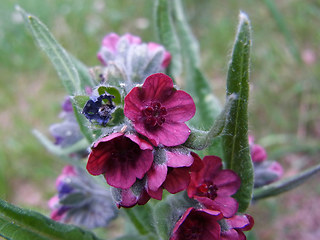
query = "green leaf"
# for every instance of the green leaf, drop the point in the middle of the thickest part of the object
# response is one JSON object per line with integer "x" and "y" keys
{"x": 167, "y": 35}
{"x": 208, "y": 106}
{"x": 163, "y": 216}
{"x": 142, "y": 217}
{"x": 86, "y": 79}
{"x": 189, "y": 44}
{"x": 56, "y": 53}
{"x": 20, "y": 224}
{"x": 235, "y": 135}
{"x": 285, "y": 185}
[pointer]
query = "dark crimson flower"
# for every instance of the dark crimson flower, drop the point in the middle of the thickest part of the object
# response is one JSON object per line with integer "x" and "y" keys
{"x": 121, "y": 158}
{"x": 197, "y": 224}
{"x": 159, "y": 111}
{"x": 212, "y": 186}
{"x": 231, "y": 228}
{"x": 98, "y": 111}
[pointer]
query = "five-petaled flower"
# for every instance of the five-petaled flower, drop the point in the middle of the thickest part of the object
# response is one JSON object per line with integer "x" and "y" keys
{"x": 122, "y": 158}
{"x": 159, "y": 111}
{"x": 212, "y": 186}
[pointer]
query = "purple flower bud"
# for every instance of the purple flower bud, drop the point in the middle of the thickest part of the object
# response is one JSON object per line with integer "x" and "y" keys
{"x": 81, "y": 201}
{"x": 267, "y": 172}
{"x": 98, "y": 111}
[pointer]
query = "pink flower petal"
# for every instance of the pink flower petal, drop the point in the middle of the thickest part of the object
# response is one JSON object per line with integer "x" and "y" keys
{"x": 157, "y": 87}
{"x": 177, "y": 180}
{"x": 110, "y": 41}
{"x": 156, "y": 176}
{"x": 227, "y": 181}
{"x": 180, "y": 107}
{"x": 227, "y": 205}
{"x": 178, "y": 158}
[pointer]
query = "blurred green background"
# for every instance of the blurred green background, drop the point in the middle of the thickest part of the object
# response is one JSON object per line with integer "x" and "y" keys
{"x": 284, "y": 98}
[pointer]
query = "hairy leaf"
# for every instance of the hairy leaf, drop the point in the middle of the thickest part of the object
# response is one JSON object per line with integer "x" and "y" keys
{"x": 167, "y": 35}
{"x": 235, "y": 136}
{"x": 20, "y": 224}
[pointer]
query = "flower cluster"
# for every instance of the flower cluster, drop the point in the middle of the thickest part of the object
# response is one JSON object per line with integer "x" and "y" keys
{"x": 81, "y": 201}
{"x": 147, "y": 158}
{"x": 265, "y": 171}
{"x": 142, "y": 153}
{"x": 214, "y": 217}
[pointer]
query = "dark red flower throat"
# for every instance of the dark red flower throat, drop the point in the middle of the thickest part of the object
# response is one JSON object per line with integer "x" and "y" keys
{"x": 154, "y": 115}
{"x": 208, "y": 190}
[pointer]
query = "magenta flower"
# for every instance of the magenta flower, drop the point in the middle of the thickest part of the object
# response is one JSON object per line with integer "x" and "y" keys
{"x": 213, "y": 186}
{"x": 159, "y": 111}
{"x": 231, "y": 228}
{"x": 197, "y": 224}
{"x": 258, "y": 153}
{"x": 121, "y": 158}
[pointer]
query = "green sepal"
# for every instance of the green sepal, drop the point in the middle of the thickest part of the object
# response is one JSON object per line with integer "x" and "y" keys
{"x": 285, "y": 185}
{"x": 111, "y": 90}
{"x": 80, "y": 100}
{"x": 168, "y": 212}
{"x": 117, "y": 117}
{"x": 235, "y": 136}
{"x": 21, "y": 224}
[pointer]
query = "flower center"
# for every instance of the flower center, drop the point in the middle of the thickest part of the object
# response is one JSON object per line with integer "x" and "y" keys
{"x": 208, "y": 190}
{"x": 154, "y": 115}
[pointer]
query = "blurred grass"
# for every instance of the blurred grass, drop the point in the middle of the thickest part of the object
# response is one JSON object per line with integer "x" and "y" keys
{"x": 284, "y": 92}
